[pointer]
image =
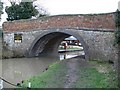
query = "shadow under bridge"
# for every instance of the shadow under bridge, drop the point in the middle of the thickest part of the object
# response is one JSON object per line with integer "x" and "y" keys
{"x": 47, "y": 44}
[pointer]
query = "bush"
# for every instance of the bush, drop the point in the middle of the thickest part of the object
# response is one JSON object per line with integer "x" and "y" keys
{"x": 0, "y": 33}
{"x": 117, "y": 33}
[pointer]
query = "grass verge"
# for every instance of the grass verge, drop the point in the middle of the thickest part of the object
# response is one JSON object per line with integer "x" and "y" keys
{"x": 99, "y": 75}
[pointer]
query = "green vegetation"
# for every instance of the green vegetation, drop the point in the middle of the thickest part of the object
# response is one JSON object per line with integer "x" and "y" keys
{"x": 54, "y": 77}
{"x": 99, "y": 75}
{"x": 91, "y": 79}
{"x": 1, "y": 33}
{"x": 1, "y": 7}
{"x": 117, "y": 33}
{"x": 24, "y": 10}
{"x": 71, "y": 48}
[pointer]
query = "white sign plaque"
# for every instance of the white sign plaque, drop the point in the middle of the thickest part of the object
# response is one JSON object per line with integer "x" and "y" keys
{"x": 1, "y": 84}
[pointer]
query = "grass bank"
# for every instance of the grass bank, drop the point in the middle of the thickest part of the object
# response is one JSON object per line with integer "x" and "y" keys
{"x": 53, "y": 77}
{"x": 99, "y": 75}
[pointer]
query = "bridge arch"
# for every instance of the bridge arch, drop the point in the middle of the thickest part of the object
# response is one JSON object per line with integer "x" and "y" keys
{"x": 48, "y": 42}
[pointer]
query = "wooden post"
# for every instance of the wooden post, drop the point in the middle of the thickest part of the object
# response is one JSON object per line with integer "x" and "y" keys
{"x": 29, "y": 84}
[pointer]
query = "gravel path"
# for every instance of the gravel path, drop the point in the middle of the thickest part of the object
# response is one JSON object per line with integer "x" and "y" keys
{"x": 71, "y": 74}
{"x": 73, "y": 65}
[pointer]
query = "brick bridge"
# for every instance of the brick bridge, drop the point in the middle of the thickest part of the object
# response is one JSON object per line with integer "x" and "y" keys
{"x": 42, "y": 36}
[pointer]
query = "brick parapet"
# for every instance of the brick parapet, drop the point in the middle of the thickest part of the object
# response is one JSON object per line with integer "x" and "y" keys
{"x": 81, "y": 21}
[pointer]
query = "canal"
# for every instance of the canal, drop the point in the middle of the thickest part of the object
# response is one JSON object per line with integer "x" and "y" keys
{"x": 17, "y": 69}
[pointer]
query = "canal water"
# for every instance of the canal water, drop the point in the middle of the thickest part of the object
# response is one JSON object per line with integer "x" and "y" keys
{"x": 17, "y": 69}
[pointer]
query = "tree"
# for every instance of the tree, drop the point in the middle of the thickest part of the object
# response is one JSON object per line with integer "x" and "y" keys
{"x": 23, "y": 10}
{"x": 117, "y": 33}
{"x": 1, "y": 7}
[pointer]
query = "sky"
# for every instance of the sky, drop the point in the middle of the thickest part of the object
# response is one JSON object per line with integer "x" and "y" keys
{"x": 79, "y": 6}
{"x": 57, "y": 7}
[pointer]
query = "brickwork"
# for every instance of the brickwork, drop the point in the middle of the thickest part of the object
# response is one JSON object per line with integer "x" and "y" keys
{"x": 91, "y": 21}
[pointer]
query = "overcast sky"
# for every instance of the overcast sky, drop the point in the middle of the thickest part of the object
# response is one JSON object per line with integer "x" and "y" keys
{"x": 56, "y": 7}
{"x": 79, "y": 6}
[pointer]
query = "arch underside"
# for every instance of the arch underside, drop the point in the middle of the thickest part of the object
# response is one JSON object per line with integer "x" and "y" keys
{"x": 47, "y": 43}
